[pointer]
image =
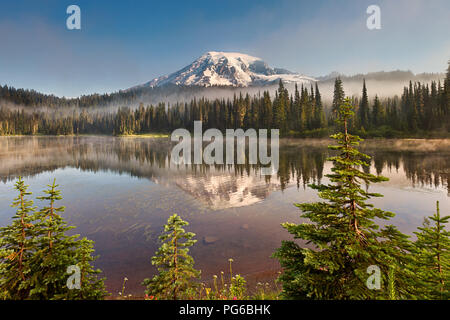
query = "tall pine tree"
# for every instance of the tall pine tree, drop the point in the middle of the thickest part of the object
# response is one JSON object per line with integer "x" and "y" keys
{"x": 378, "y": 114}
{"x": 345, "y": 238}
{"x": 364, "y": 108}
{"x": 280, "y": 105}
{"x": 338, "y": 97}
{"x": 319, "y": 116}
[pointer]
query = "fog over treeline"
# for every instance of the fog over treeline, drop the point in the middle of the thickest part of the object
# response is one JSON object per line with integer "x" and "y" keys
{"x": 383, "y": 84}
{"x": 421, "y": 110}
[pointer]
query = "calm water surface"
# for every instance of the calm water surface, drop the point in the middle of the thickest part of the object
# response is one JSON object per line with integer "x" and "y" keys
{"x": 119, "y": 192}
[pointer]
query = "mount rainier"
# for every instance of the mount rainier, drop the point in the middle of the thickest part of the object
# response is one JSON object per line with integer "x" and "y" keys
{"x": 227, "y": 69}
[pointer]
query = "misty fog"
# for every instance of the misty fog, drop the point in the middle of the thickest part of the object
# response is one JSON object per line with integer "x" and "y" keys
{"x": 383, "y": 84}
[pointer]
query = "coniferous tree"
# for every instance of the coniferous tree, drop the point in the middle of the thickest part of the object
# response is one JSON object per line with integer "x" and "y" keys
{"x": 319, "y": 115}
{"x": 297, "y": 112}
{"x": 412, "y": 116}
{"x": 91, "y": 287}
{"x": 35, "y": 253}
{"x": 304, "y": 108}
{"x": 280, "y": 106}
{"x": 364, "y": 108}
{"x": 16, "y": 247}
{"x": 175, "y": 266}
{"x": 56, "y": 251}
{"x": 378, "y": 114}
{"x": 267, "y": 110}
{"x": 431, "y": 254}
{"x": 338, "y": 97}
{"x": 345, "y": 236}
{"x": 309, "y": 108}
{"x": 446, "y": 99}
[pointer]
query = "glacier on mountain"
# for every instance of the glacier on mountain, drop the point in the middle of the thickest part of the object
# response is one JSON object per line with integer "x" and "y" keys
{"x": 228, "y": 69}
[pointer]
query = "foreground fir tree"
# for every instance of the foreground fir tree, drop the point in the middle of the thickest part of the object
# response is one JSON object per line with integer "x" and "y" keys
{"x": 344, "y": 238}
{"x": 36, "y": 268}
{"x": 175, "y": 265}
{"x": 91, "y": 287}
{"x": 56, "y": 251}
{"x": 432, "y": 258}
{"x": 16, "y": 247}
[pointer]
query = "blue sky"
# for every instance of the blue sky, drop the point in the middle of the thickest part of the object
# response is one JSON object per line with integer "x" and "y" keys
{"x": 124, "y": 43}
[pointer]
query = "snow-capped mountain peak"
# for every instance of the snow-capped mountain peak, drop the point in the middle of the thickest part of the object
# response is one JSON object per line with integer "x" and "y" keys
{"x": 227, "y": 69}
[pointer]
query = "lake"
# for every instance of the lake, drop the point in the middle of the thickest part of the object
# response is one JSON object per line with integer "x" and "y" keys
{"x": 119, "y": 192}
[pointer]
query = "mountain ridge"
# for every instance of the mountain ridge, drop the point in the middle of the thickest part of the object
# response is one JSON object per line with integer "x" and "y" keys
{"x": 394, "y": 75}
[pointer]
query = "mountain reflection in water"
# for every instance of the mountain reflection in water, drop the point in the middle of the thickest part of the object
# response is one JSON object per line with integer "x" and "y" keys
{"x": 220, "y": 186}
